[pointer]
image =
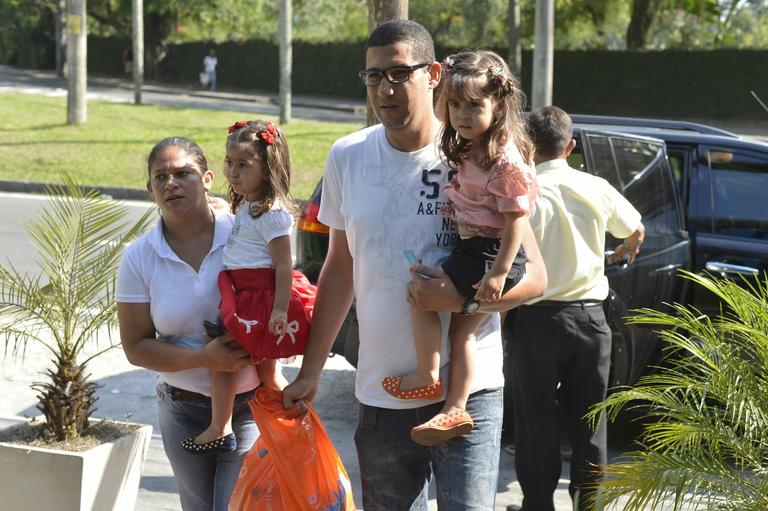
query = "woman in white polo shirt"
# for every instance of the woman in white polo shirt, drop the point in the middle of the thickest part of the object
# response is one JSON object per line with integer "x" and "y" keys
{"x": 166, "y": 288}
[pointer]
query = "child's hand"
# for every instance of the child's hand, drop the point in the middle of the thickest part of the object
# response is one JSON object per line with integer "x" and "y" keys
{"x": 278, "y": 321}
{"x": 489, "y": 288}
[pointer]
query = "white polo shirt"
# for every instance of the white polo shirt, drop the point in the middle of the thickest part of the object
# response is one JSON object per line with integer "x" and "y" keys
{"x": 179, "y": 298}
{"x": 572, "y": 213}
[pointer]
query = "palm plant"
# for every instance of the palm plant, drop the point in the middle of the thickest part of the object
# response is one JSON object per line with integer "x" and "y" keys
{"x": 706, "y": 443}
{"x": 68, "y": 306}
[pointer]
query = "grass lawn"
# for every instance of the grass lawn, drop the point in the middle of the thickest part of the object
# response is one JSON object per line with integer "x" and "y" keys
{"x": 111, "y": 148}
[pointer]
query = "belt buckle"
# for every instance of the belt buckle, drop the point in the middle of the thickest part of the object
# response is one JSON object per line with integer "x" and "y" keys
{"x": 174, "y": 392}
{"x": 178, "y": 394}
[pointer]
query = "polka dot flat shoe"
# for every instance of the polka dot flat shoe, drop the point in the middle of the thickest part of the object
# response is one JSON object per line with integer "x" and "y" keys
{"x": 432, "y": 391}
{"x": 442, "y": 427}
{"x": 223, "y": 444}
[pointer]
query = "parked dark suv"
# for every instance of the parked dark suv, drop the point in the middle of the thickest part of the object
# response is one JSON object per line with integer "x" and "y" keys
{"x": 701, "y": 192}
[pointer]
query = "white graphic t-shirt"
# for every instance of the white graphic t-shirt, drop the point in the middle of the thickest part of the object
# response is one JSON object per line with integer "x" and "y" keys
{"x": 387, "y": 202}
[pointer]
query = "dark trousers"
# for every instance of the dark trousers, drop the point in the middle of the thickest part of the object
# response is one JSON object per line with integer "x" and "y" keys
{"x": 568, "y": 344}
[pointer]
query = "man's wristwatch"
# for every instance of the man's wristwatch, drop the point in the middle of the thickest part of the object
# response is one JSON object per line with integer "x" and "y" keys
{"x": 470, "y": 306}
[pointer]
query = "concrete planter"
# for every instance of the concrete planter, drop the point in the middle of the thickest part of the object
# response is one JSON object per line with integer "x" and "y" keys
{"x": 105, "y": 477}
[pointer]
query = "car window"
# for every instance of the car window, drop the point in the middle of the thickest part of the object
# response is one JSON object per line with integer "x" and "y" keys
{"x": 739, "y": 182}
{"x": 619, "y": 159}
{"x": 652, "y": 192}
{"x": 679, "y": 158}
{"x": 676, "y": 162}
{"x": 635, "y": 156}
{"x": 601, "y": 160}
{"x": 639, "y": 169}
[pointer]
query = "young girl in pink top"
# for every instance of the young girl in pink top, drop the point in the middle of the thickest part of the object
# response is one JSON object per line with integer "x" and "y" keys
{"x": 483, "y": 137}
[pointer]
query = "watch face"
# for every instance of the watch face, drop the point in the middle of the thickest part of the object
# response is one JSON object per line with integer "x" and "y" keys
{"x": 471, "y": 306}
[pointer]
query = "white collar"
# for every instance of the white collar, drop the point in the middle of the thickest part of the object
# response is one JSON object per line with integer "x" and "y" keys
{"x": 220, "y": 234}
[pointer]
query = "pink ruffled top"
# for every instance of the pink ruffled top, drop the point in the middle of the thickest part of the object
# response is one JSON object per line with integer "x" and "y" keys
{"x": 478, "y": 197}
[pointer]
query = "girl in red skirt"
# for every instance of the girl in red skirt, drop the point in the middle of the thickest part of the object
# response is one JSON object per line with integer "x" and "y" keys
{"x": 265, "y": 304}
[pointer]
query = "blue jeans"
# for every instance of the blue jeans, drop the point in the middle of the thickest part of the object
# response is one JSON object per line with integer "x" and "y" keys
{"x": 395, "y": 472}
{"x": 205, "y": 481}
{"x": 212, "y": 80}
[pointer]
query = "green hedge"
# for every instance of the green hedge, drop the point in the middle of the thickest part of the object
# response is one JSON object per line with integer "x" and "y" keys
{"x": 318, "y": 69}
{"x": 105, "y": 55}
{"x": 703, "y": 84}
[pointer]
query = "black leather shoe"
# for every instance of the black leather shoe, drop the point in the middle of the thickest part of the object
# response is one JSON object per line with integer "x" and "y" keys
{"x": 223, "y": 444}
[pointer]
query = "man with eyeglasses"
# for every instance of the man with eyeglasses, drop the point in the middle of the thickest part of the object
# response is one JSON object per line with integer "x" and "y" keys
{"x": 382, "y": 195}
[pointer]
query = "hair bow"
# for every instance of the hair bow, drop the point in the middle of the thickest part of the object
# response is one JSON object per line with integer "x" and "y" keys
{"x": 268, "y": 135}
{"x": 497, "y": 75}
{"x": 237, "y": 126}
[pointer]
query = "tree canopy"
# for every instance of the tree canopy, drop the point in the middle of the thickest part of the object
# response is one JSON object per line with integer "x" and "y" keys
{"x": 27, "y": 26}
{"x": 610, "y": 24}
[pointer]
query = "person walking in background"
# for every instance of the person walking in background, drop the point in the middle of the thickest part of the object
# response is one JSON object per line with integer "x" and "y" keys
{"x": 209, "y": 68}
{"x": 167, "y": 286}
{"x": 265, "y": 305}
{"x": 128, "y": 62}
{"x": 382, "y": 192}
{"x": 563, "y": 337}
{"x": 484, "y": 137}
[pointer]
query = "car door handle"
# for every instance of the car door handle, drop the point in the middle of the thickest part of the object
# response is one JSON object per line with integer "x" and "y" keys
{"x": 725, "y": 268}
{"x": 620, "y": 264}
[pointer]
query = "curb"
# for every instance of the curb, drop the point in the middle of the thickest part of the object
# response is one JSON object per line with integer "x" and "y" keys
{"x": 109, "y": 191}
{"x": 113, "y": 192}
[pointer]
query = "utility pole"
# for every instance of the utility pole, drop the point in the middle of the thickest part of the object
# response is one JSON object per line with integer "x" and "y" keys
{"x": 286, "y": 59}
{"x": 138, "y": 49}
{"x": 59, "y": 21}
{"x": 380, "y": 11}
{"x": 543, "y": 56}
{"x": 515, "y": 57}
{"x": 76, "y": 62}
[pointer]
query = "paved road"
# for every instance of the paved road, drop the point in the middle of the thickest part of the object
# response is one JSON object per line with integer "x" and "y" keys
{"x": 121, "y": 91}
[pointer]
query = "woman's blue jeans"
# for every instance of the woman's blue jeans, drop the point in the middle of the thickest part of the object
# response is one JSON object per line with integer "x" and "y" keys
{"x": 395, "y": 471}
{"x": 205, "y": 481}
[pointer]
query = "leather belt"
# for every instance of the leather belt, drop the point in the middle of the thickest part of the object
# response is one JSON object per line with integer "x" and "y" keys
{"x": 178, "y": 394}
{"x": 582, "y": 304}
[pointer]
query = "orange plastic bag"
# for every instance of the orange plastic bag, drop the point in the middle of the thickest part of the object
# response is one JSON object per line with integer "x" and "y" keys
{"x": 293, "y": 466}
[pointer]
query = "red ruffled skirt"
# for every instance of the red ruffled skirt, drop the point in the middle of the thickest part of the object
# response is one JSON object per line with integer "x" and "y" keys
{"x": 246, "y": 305}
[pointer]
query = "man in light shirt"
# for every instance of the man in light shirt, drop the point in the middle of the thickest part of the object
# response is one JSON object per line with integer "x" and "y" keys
{"x": 209, "y": 67}
{"x": 563, "y": 337}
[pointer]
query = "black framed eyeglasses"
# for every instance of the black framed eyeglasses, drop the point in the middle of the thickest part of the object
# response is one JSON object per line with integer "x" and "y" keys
{"x": 396, "y": 74}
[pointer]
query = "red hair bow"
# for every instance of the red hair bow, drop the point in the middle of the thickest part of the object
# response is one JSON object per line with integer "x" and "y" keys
{"x": 268, "y": 135}
{"x": 237, "y": 126}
